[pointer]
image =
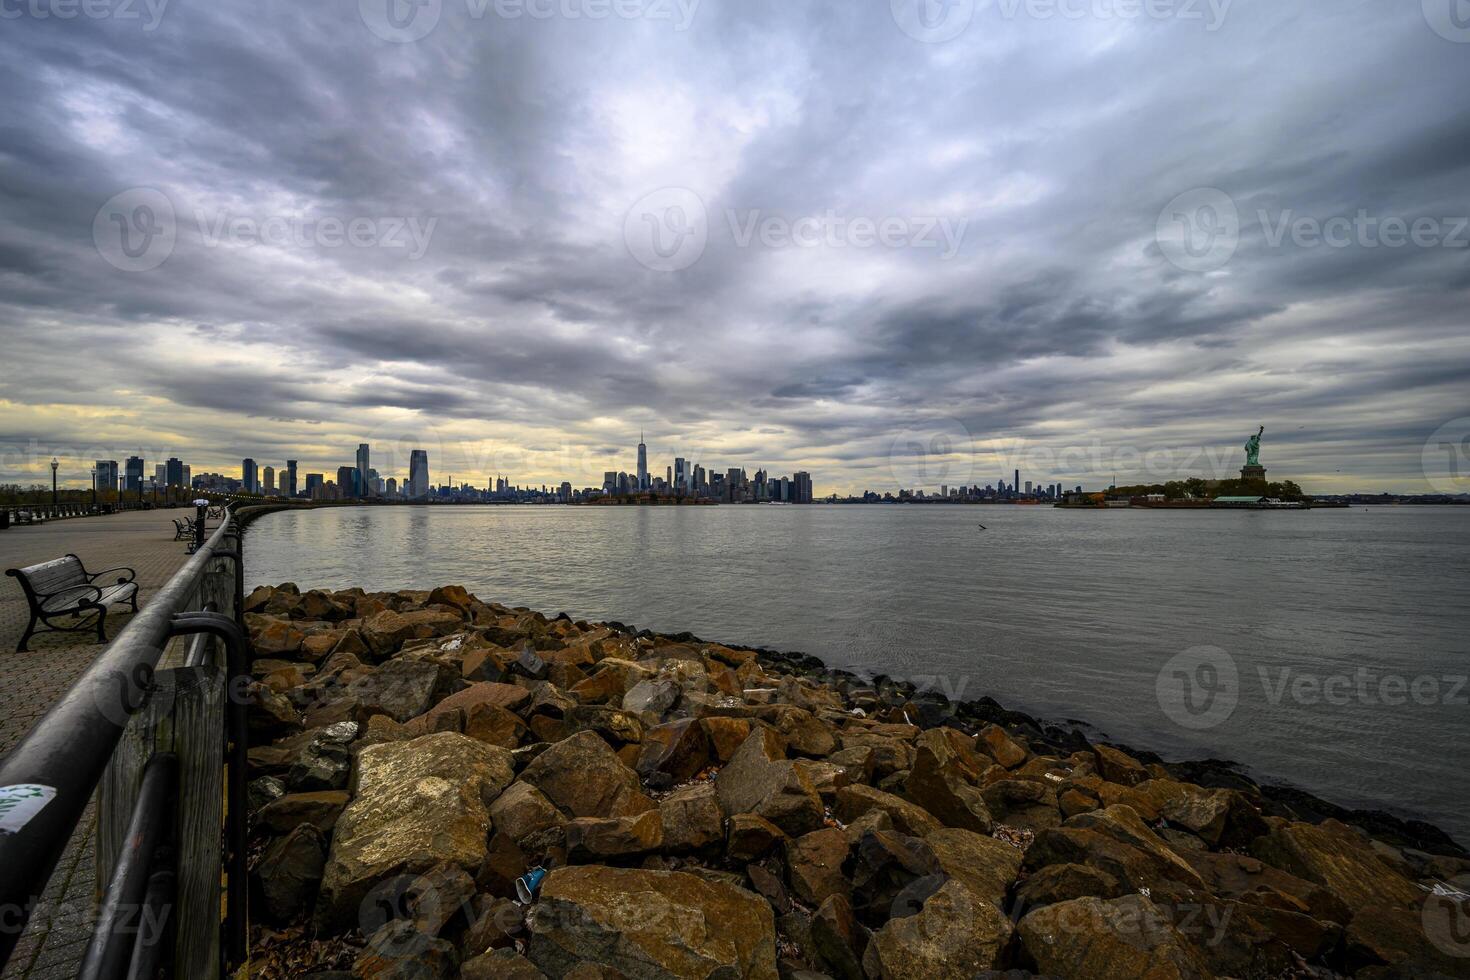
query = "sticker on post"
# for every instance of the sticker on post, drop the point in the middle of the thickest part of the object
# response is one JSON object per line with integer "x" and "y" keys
{"x": 18, "y": 804}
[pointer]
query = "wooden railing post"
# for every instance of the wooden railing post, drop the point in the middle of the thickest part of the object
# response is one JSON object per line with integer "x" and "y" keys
{"x": 185, "y": 716}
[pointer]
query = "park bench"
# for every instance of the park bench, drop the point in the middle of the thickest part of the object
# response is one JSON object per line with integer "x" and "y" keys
{"x": 64, "y": 588}
{"x": 183, "y": 531}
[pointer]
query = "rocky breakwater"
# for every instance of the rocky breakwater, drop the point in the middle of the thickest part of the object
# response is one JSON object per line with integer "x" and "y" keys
{"x": 708, "y": 811}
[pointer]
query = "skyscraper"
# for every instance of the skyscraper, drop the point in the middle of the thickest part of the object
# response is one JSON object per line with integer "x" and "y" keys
{"x": 133, "y": 475}
{"x": 801, "y": 488}
{"x": 288, "y": 487}
{"x": 249, "y": 478}
{"x": 681, "y": 474}
{"x": 642, "y": 463}
{"x": 174, "y": 472}
{"x": 106, "y": 474}
{"x": 363, "y": 465}
{"x": 418, "y": 473}
{"x": 268, "y": 478}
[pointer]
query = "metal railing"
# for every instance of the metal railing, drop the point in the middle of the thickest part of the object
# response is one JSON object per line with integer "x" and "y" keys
{"x": 162, "y": 767}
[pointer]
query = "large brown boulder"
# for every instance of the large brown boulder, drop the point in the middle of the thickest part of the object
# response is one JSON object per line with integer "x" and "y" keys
{"x": 1335, "y": 856}
{"x": 814, "y": 865}
{"x": 1025, "y": 803}
{"x": 509, "y": 697}
{"x": 985, "y": 865}
{"x": 908, "y": 818}
{"x": 1062, "y": 883}
{"x": 759, "y": 779}
{"x": 1220, "y": 817}
{"x": 273, "y": 637}
{"x": 400, "y": 689}
{"x": 384, "y": 633}
{"x": 416, "y": 804}
{"x": 320, "y": 809}
{"x": 1116, "y": 841}
{"x": 1118, "y": 939}
{"x": 937, "y": 783}
{"x": 601, "y": 838}
{"x": 1252, "y": 881}
{"x": 955, "y": 934}
{"x": 650, "y": 925}
{"x": 584, "y": 777}
{"x": 289, "y": 872}
{"x": 673, "y": 753}
{"x": 890, "y": 872}
{"x": 839, "y": 939}
{"x": 523, "y": 810}
{"x": 1119, "y": 767}
{"x": 994, "y": 742}
{"x": 692, "y": 819}
{"x": 804, "y": 734}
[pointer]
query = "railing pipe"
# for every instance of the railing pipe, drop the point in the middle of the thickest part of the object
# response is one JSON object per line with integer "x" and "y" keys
{"x": 150, "y": 948}
{"x": 111, "y": 948}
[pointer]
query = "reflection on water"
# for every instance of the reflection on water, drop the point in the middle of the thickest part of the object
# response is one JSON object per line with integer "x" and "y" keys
{"x": 1064, "y": 614}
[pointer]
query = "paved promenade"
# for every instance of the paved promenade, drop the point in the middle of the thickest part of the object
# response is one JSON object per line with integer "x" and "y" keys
{"x": 143, "y": 540}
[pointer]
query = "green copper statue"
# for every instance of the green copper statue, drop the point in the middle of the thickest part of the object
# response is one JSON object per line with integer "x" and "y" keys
{"x": 1253, "y": 449}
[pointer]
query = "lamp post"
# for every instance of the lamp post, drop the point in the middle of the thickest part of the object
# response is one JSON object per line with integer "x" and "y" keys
{"x": 54, "y": 465}
{"x": 94, "y": 489}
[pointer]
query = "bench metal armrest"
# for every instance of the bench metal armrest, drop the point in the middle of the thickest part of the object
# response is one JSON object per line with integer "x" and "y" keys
{"x": 120, "y": 568}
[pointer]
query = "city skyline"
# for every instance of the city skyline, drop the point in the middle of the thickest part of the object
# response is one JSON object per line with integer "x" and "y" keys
{"x": 917, "y": 462}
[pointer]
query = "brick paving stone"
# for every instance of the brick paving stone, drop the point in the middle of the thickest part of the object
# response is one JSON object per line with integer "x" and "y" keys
{"x": 53, "y": 944}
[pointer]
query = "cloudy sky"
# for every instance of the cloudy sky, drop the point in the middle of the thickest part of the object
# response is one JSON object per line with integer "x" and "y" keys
{"x": 878, "y": 242}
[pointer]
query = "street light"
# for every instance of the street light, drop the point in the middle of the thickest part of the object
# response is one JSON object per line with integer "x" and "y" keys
{"x": 94, "y": 489}
{"x": 54, "y": 465}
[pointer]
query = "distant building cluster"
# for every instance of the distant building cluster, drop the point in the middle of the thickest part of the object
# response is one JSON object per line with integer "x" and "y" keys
{"x": 131, "y": 481}
{"x": 990, "y": 493}
{"x": 360, "y": 481}
{"x": 686, "y": 479}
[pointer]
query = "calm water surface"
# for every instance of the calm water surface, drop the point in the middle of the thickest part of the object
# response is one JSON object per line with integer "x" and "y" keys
{"x": 1064, "y": 614}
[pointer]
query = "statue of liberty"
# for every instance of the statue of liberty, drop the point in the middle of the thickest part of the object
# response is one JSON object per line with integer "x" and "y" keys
{"x": 1253, "y": 449}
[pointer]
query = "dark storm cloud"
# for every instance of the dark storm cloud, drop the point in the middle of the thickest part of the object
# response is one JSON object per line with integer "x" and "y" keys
{"x": 519, "y": 316}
